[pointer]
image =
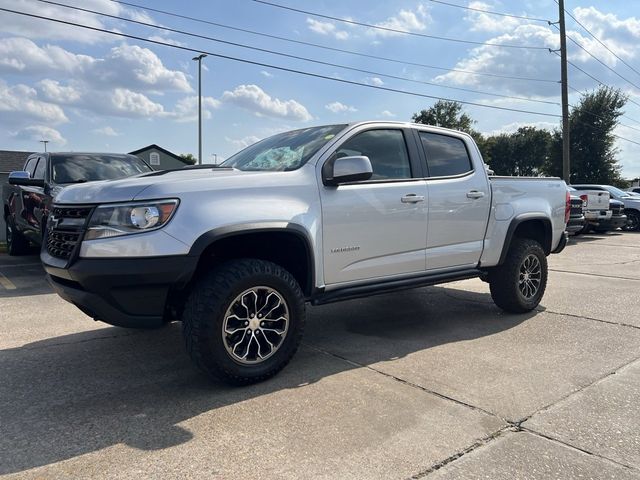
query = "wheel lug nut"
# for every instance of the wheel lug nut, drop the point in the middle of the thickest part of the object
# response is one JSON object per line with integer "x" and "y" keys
{"x": 259, "y": 315}
{"x": 252, "y": 315}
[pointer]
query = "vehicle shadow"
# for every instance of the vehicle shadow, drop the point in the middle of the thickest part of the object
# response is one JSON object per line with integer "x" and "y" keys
{"x": 22, "y": 276}
{"x": 593, "y": 237}
{"x": 75, "y": 394}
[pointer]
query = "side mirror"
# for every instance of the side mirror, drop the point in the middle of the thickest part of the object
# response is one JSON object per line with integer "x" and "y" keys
{"x": 24, "y": 179}
{"x": 345, "y": 170}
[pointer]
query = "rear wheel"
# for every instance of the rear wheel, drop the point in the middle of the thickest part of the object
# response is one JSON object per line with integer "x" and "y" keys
{"x": 16, "y": 243}
{"x": 518, "y": 285}
{"x": 243, "y": 321}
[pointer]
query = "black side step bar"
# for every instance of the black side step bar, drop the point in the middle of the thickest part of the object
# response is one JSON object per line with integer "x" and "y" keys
{"x": 359, "y": 291}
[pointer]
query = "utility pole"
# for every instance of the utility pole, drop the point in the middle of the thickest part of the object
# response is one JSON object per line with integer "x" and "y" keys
{"x": 566, "y": 163}
{"x": 199, "y": 60}
{"x": 45, "y": 144}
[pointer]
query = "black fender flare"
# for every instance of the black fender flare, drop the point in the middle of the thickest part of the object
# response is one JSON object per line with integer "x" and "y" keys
{"x": 519, "y": 220}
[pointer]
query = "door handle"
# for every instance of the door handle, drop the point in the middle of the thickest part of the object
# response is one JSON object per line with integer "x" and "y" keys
{"x": 412, "y": 198}
{"x": 475, "y": 194}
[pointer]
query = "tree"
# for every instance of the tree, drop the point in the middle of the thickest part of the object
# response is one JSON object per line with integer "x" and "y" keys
{"x": 189, "y": 158}
{"x": 592, "y": 142}
{"x": 446, "y": 114}
{"x": 522, "y": 153}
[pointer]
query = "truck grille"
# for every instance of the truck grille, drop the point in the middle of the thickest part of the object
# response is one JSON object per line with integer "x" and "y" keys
{"x": 617, "y": 210}
{"x": 576, "y": 207}
{"x": 65, "y": 228}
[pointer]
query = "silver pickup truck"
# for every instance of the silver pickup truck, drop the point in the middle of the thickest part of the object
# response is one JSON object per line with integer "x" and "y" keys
{"x": 311, "y": 216}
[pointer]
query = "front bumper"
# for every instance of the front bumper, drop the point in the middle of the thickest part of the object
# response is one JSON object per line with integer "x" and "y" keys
{"x": 616, "y": 221}
{"x": 130, "y": 292}
{"x": 575, "y": 224}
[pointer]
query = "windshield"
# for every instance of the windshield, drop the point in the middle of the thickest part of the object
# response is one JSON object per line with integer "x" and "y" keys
{"x": 617, "y": 192}
{"x": 284, "y": 151}
{"x": 91, "y": 167}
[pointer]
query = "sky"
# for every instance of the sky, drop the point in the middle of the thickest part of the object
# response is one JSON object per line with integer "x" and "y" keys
{"x": 85, "y": 90}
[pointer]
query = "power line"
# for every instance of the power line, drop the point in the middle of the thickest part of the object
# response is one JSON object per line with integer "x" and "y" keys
{"x": 275, "y": 67}
{"x": 273, "y": 52}
{"x": 597, "y": 60}
{"x": 333, "y": 49}
{"x": 465, "y": 7}
{"x": 394, "y": 30}
{"x": 599, "y": 41}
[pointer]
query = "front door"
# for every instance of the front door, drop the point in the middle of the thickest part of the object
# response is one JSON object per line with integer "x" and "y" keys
{"x": 376, "y": 228}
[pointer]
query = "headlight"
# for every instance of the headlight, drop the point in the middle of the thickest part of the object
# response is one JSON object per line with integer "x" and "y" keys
{"x": 125, "y": 219}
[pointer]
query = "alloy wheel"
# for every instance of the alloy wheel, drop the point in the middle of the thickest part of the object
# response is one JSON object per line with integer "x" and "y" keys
{"x": 530, "y": 276}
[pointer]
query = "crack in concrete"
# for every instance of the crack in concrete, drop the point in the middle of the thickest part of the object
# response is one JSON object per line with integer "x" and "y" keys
{"x": 594, "y": 274}
{"x": 573, "y": 447}
{"x": 477, "y": 444}
{"x": 620, "y": 324}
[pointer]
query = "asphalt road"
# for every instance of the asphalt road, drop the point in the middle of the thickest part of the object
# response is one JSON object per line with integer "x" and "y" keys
{"x": 430, "y": 383}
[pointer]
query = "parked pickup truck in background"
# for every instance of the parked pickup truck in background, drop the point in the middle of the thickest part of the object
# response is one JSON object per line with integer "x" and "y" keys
{"x": 576, "y": 222}
{"x": 596, "y": 207}
{"x": 27, "y": 198}
{"x": 617, "y": 220}
{"x": 316, "y": 215}
{"x": 631, "y": 203}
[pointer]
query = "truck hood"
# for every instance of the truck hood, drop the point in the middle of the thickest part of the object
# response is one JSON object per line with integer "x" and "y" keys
{"x": 166, "y": 183}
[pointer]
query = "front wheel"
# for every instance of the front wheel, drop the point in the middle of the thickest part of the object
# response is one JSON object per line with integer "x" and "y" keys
{"x": 518, "y": 285}
{"x": 16, "y": 243}
{"x": 633, "y": 221}
{"x": 243, "y": 321}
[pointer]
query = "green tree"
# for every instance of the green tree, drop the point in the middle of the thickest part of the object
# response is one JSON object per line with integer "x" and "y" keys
{"x": 522, "y": 153}
{"x": 446, "y": 114}
{"x": 449, "y": 114}
{"x": 592, "y": 143}
{"x": 189, "y": 158}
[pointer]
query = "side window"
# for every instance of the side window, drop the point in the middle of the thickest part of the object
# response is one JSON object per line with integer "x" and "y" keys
{"x": 386, "y": 149}
{"x": 40, "y": 169}
{"x": 446, "y": 156}
{"x": 30, "y": 166}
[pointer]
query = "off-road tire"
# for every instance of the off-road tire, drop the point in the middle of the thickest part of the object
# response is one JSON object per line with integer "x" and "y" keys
{"x": 17, "y": 244}
{"x": 504, "y": 281}
{"x": 204, "y": 315}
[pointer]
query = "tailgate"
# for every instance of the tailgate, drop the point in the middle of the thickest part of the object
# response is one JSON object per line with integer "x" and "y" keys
{"x": 596, "y": 199}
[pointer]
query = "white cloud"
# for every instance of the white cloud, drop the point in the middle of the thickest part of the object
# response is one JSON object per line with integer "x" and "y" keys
{"x": 327, "y": 28}
{"x": 244, "y": 142}
{"x": 253, "y": 98}
{"x": 20, "y": 55}
{"x": 388, "y": 114}
{"x": 514, "y": 126}
{"x": 186, "y": 109}
{"x": 264, "y": 73}
{"x": 374, "y": 81}
{"x": 133, "y": 104}
{"x": 337, "y": 107}
{"x": 106, "y": 131}
{"x": 35, "y": 28}
{"x": 170, "y": 41}
{"x": 20, "y": 103}
{"x": 405, "y": 20}
{"x": 57, "y": 93}
{"x": 35, "y": 133}
{"x": 483, "y": 22}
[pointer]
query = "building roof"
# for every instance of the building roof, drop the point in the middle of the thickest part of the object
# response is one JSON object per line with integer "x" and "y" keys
{"x": 153, "y": 146}
{"x": 11, "y": 160}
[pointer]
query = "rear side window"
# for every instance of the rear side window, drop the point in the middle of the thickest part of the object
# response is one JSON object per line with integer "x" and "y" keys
{"x": 446, "y": 156}
{"x": 386, "y": 150}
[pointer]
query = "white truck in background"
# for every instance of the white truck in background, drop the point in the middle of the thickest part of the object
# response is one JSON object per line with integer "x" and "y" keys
{"x": 311, "y": 216}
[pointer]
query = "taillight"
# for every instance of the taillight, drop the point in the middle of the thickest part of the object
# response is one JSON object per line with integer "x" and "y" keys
{"x": 584, "y": 199}
{"x": 567, "y": 208}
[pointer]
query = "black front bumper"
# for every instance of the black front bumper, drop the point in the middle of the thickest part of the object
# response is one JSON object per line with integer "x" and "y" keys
{"x": 616, "y": 221}
{"x": 575, "y": 224}
{"x": 127, "y": 292}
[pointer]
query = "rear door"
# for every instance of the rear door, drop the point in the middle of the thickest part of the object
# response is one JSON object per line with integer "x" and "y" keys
{"x": 376, "y": 228}
{"x": 459, "y": 202}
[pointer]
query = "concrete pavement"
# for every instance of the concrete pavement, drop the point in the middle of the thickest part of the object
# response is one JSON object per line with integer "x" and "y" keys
{"x": 435, "y": 382}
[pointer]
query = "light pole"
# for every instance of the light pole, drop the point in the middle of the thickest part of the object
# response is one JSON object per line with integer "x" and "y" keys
{"x": 45, "y": 144}
{"x": 199, "y": 60}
